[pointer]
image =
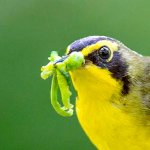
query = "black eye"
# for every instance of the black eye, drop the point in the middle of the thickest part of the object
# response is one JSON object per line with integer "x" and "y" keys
{"x": 104, "y": 52}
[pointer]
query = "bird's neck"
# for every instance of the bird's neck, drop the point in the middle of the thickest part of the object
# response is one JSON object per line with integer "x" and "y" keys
{"x": 101, "y": 118}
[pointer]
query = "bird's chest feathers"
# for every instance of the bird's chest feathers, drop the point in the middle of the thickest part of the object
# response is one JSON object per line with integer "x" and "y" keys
{"x": 101, "y": 119}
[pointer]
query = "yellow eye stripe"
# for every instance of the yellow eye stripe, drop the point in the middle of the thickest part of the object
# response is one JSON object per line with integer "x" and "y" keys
{"x": 91, "y": 48}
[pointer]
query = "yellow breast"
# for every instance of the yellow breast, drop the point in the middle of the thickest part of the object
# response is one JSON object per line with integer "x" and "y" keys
{"x": 100, "y": 112}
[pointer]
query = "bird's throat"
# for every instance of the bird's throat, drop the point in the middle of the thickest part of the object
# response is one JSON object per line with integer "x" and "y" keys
{"x": 100, "y": 113}
{"x": 95, "y": 88}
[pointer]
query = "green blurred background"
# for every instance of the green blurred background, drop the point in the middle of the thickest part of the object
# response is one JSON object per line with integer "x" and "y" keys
{"x": 29, "y": 30}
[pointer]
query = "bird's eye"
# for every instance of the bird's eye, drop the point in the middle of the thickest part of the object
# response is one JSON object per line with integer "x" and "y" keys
{"x": 104, "y": 52}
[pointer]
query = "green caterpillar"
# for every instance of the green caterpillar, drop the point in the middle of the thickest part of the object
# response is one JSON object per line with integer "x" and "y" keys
{"x": 59, "y": 68}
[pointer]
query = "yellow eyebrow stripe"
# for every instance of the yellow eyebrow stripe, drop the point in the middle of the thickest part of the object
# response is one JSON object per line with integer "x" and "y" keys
{"x": 91, "y": 48}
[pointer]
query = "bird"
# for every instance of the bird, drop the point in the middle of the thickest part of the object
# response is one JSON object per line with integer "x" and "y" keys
{"x": 113, "y": 94}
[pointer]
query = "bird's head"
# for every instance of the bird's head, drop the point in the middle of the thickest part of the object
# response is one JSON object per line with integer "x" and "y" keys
{"x": 107, "y": 54}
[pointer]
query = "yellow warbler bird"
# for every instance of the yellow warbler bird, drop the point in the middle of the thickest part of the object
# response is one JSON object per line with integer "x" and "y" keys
{"x": 113, "y": 87}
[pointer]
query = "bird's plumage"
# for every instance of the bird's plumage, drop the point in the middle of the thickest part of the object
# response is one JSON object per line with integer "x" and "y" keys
{"x": 113, "y": 104}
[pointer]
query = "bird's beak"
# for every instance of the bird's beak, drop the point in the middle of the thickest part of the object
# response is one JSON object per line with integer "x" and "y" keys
{"x": 62, "y": 59}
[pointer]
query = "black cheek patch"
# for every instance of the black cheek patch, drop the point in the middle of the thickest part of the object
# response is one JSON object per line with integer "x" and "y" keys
{"x": 116, "y": 66}
{"x": 119, "y": 70}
